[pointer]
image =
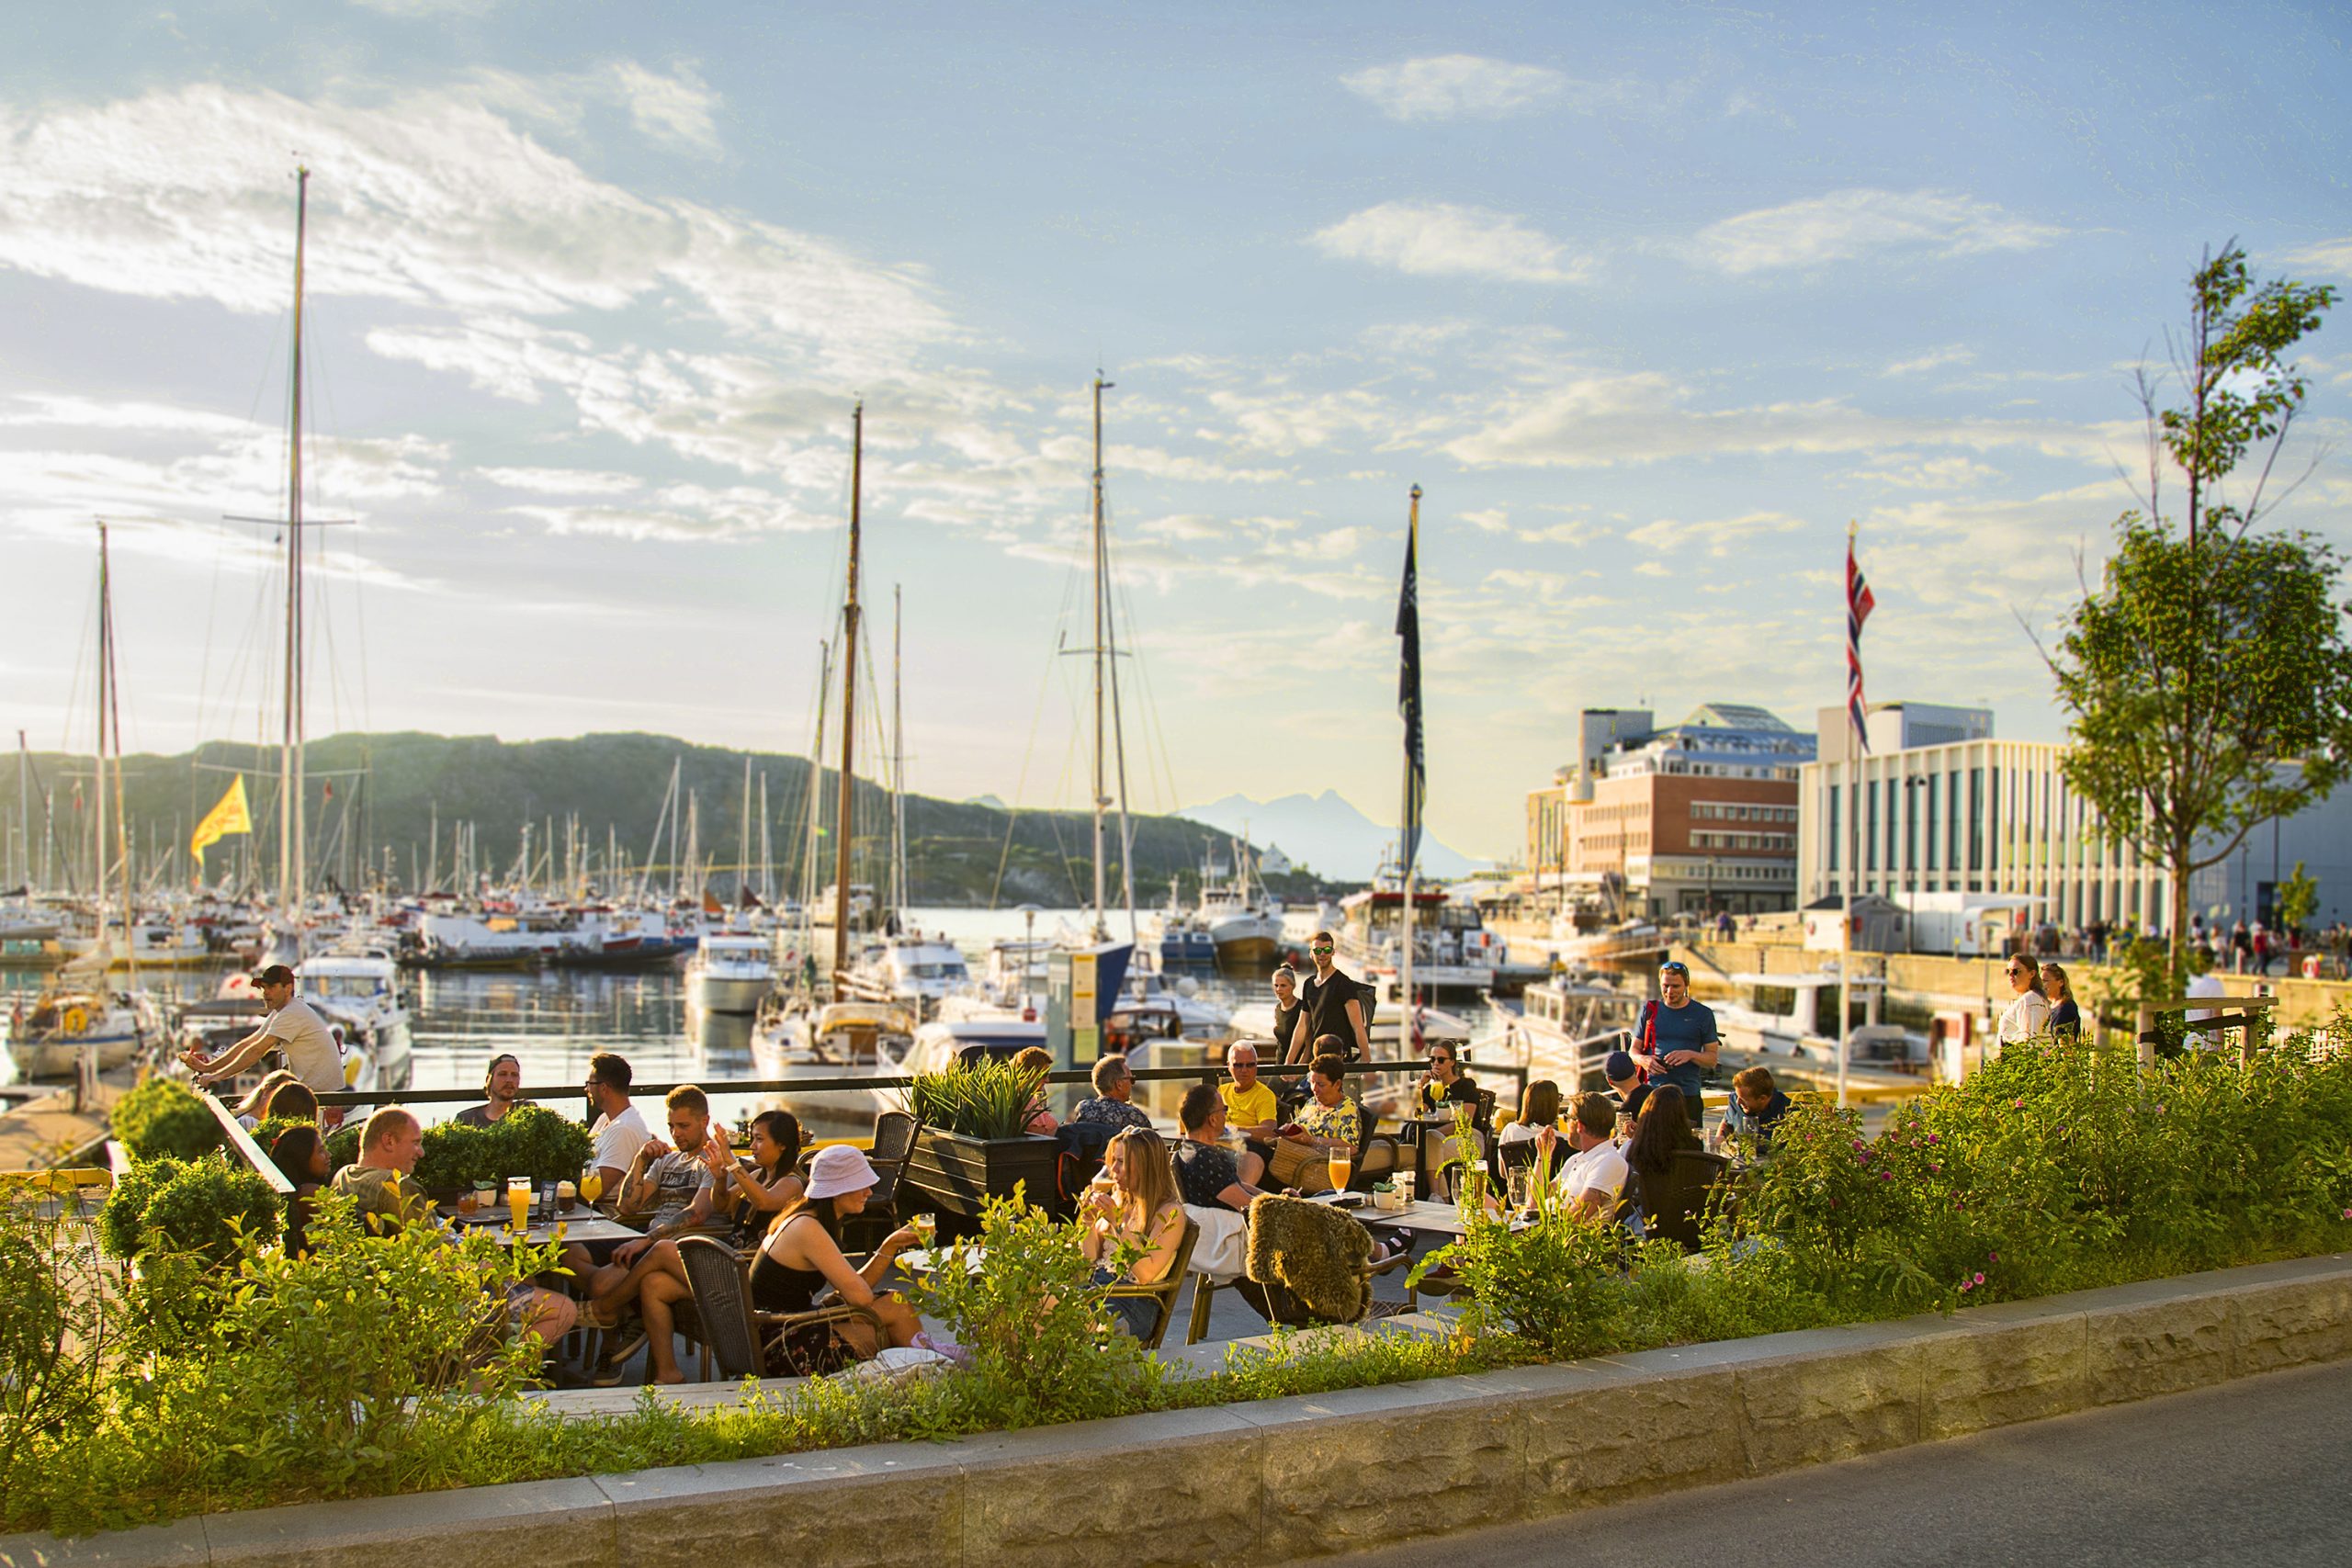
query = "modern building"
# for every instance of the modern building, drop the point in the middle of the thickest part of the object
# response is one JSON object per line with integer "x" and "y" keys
{"x": 1693, "y": 817}
{"x": 1939, "y": 806}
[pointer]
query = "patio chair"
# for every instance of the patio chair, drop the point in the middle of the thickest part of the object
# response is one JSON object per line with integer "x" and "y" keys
{"x": 1309, "y": 1264}
{"x": 744, "y": 1341}
{"x": 1676, "y": 1206}
{"x": 1165, "y": 1291}
{"x": 894, "y": 1140}
{"x": 1216, "y": 1260}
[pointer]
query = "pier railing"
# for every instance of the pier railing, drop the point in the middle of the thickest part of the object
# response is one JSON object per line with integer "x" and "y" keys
{"x": 1204, "y": 1072}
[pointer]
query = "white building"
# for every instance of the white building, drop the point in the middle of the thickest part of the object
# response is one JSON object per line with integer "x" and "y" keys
{"x": 1943, "y": 807}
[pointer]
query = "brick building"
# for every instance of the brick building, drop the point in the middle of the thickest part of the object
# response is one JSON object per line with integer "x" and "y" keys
{"x": 1695, "y": 818}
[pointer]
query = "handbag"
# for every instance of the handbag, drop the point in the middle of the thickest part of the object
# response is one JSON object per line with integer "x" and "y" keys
{"x": 1300, "y": 1167}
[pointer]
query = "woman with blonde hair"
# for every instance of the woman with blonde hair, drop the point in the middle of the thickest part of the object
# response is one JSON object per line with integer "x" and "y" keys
{"x": 2065, "y": 1018}
{"x": 1140, "y": 1208}
{"x": 1038, "y": 1060}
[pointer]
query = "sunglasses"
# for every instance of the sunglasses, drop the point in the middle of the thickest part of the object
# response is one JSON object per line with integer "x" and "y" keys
{"x": 1674, "y": 969}
{"x": 1324, "y": 947}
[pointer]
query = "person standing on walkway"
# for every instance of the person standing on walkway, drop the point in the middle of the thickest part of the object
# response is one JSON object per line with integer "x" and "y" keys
{"x": 1680, "y": 1041}
{"x": 2028, "y": 1013}
{"x": 1290, "y": 1043}
{"x": 1331, "y": 1003}
{"x": 2065, "y": 1018}
{"x": 311, "y": 1053}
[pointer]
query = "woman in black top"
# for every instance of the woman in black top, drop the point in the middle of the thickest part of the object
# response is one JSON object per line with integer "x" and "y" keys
{"x": 1286, "y": 1011}
{"x": 300, "y": 1155}
{"x": 2065, "y": 1018}
{"x": 767, "y": 1186}
{"x": 802, "y": 1253}
{"x": 1661, "y": 1132}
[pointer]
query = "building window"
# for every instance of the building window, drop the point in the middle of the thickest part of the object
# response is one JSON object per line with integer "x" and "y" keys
{"x": 1870, "y": 826}
{"x": 1976, "y": 826}
{"x": 1930, "y": 783}
{"x": 1836, "y": 837}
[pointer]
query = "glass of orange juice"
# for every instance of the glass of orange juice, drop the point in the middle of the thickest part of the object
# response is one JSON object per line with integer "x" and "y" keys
{"x": 518, "y": 1200}
{"x": 591, "y": 1184}
{"x": 1343, "y": 1166}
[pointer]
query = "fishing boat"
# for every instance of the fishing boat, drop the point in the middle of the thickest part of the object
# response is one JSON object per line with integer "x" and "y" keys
{"x": 1565, "y": 1029}
{"x": 48, "y": 1034}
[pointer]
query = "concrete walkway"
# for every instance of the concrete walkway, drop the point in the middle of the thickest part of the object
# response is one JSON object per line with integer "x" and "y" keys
{"x": 2257, "y": 1472}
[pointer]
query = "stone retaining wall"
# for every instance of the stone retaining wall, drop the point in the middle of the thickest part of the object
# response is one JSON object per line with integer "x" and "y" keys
{"x": 1313, "y": 1475}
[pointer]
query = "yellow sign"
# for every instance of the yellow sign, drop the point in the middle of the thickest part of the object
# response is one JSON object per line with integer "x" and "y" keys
{"x": 1085, "y": 1034}
{"x": 229, "y": 817}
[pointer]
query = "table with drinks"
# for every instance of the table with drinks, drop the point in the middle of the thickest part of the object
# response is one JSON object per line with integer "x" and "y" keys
{"x": 540, "y": 1212}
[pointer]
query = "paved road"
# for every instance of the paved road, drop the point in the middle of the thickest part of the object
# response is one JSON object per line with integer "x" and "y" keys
{"x": 2250, "y": 1475}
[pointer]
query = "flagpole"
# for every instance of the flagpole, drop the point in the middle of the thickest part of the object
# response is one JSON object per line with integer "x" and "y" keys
{"x": 1853, "y": 823}
{"x": 1409, "y": 693}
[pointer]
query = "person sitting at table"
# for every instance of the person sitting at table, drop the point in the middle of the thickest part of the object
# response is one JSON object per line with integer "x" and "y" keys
{"x": 1539, "y": 1107}
{"x": 1626, "y": 1085}
{"x": 1111, "y": 1106}
{"x": 765, "y": 1184}
{"x": 1038, "y": 1060}
{"x": 677, "y": 1188}
{"x": 1445, "y": 1084}
{"x": 802, "y": 1255}
{"x": 1756, "y": 1108}
{"x": 1661, "y": 1132}
{"x": 253, "y": 1110}
{"x": 1207, "y": 1173}
{"x": 391, "y": 1142}
{"x": 502, "y": 1081}
{"x": 1327, "y": 1120}
{"x": 300, "y": 1155}
{"x": 1594, "y": 1176}
{"x": 619, "y": 1129}
{"x": 1138, "y": 1209}
{"x": 1249, "y": 1103}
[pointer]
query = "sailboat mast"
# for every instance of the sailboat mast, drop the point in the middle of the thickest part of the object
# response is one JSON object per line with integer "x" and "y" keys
{"x": 1102, "y": 796}
{"x": 841, "y": 817}
{"x": 98, "y": 749}
{"x": 898, "y": 756}
{"x": 24, "y": 812}
{"x": 816, "y": 788}
{"x": 290, "y": 788}
{"x": 743, "y": 843}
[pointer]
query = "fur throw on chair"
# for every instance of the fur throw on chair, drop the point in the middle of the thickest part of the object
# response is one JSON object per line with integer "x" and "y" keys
{"x": 1320, "y": 1254}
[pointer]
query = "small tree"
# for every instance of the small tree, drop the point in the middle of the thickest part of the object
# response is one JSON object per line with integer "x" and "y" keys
{"x": 2298, "y": 900}
{"x": 2208, "y": 677}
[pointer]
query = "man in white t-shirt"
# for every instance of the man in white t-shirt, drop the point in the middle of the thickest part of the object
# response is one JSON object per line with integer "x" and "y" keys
{"x": 620, "y": 1130}
{"x": 311, "y": 1051}
{"x": 1595, "y": 1174}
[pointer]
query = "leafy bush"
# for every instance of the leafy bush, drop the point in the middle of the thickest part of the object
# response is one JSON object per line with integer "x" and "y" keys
{"x": 1553, "y": 1283}
{"x": 62, "y": 1318}
{"x": 1032, "y": 1322}
{"x": 529, "y": 1140}
{"x": 265, "y": 1135}
{"x": 200, "y": 1208}
{"x": 985, "y": 1100}
{"x": 165, "y": 1117}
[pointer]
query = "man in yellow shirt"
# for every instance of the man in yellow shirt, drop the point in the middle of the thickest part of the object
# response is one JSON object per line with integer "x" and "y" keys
{"x": 1249, "y": 1108}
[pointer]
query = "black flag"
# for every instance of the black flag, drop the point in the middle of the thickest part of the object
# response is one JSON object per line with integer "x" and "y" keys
{"x": 1408, "y": 683}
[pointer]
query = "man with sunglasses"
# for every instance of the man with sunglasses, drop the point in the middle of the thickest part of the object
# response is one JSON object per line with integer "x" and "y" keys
{"x": 2028, "y": 1013}
{"x": 1328, "y": 1003}
{"x": 1678, "y": 1039}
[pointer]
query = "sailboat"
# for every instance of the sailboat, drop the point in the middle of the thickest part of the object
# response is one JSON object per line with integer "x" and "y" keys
{"x": 78, "y": 1014}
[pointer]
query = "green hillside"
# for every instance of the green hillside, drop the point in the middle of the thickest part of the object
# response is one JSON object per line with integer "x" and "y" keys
{"x": 373, "y": 799}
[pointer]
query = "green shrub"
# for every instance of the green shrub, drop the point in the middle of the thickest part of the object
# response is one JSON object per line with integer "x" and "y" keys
{"x": 529, "y": 1140}
{"x": 265, "y": 1135}
{"x": 200, "y": 1208}
{"x": 985, "y": 1100}
{"x": 1553, "y": 1283}
{"x": 61, "y": 1323}
{"x": 343, "y": 1145}
{"x": 163, "y": 1117}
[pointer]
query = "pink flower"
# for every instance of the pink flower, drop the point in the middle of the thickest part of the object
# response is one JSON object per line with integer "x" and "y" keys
{"x": 2018, "y": 1106}
{"x": 1992, "y": 1258}
{"x": 1933, "y": 1170}
{"x": 1966, "y": 1287}
{"x": 1980, "y": 1277}
{"x": 1886, "y": 1176}
{"x": 1935, "y": 1138}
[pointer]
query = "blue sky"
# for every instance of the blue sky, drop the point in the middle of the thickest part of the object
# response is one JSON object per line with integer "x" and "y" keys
{"x": 1650, "y": 300}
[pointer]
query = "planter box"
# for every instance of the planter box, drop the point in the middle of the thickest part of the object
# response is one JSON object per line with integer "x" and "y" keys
{"x": 960, "y": 1174}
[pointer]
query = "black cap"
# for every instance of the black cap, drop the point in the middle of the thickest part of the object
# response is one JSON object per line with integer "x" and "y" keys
{"x": 275, "y": 974}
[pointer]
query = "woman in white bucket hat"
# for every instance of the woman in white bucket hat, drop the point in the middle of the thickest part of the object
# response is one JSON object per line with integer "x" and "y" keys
{"x": 802, "y": 1253}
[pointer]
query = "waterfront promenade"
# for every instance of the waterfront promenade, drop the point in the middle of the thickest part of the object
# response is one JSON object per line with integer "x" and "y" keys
{"x": 2250, "y": 1475}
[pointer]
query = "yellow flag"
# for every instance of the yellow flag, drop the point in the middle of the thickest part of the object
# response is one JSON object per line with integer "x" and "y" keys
{"x": 229, "y": 817}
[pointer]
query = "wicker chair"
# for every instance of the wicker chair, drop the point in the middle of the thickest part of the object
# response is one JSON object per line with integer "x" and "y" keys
{"x": 1165, "y": 1291}
{"x": 1266, "y": 1289}
{"x": 743, "y": 1340}
{"x": 1676, "y": 1206}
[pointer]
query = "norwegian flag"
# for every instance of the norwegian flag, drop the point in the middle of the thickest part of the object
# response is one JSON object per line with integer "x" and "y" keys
{"x": 1858, "y": 605}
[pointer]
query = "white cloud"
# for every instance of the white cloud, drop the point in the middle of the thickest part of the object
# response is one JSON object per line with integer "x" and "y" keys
{"x": 2326, "y": 255}
{"x": 1935, "y": 358}
{"x": 1933, "y": 473}
{"x": 685, "y": 513}
{"x": 675, "y": 109}
{"x": 1490, "y": 519}
{"x": 1439, "y": 238}
{"x": 428, "y": 7}
{"x": 562, "y": 481}
{"x": 1444, "y": 86}
{"x": 1715, "y": 535}
{"x": 1598, "y": 420}
{"x": 1846, "y": 224}
{"x": 1572, "y": 532}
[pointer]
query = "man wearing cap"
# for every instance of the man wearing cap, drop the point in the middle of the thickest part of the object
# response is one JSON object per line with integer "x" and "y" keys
{"x": 1680, "y": 1041}
{"x": 1626, "y": 1082}
{"x": 311, "y": 1053}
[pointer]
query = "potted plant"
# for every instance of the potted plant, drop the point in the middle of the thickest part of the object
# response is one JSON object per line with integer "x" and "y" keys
{"x": 970, "y": 1145}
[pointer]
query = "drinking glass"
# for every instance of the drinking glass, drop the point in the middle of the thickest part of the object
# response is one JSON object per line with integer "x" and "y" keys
{"x": 1519, "y": 1187}
{"x": 591, "y": 1183}
{"x": 1343, "y": 1165}
{"x": 518, "y": 1200}
{"x": 485, "y": 1195}
{"x": 926, "y": 1229}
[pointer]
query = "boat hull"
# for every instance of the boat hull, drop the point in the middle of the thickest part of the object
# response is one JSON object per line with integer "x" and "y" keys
{"x": 719, "y": 993}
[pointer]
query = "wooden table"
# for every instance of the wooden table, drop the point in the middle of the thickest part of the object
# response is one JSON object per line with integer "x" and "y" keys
{"x": 584, "y": 1225}
{"x": 1420, "y": 1216}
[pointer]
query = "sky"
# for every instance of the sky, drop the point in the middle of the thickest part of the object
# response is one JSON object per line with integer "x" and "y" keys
{"x": 1651, "y": 300}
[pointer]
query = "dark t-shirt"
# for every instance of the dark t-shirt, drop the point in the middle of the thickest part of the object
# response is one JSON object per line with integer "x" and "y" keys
{"x": 479, "y": 1115}
{"x": 1285, "y": 1016}
{"x": 1204, "y": 1170}
{"x": 1691, "y": 1027}
{"x": 1326, "y": 1008}
{"x": 2066, "y": 1019}
{"x": 1461, "y": 1090}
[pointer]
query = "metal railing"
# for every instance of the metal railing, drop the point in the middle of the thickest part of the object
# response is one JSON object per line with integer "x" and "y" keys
{"x": 1204, "y": 1072}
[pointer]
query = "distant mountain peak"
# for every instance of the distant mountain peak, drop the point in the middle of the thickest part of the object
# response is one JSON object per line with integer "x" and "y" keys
{"x": 1327, "y": 833}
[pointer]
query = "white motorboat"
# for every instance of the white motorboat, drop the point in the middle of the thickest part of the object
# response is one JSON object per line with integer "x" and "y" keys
{"x": 1453, "y": 949}
{"x": 360, "y": 981}
{"x": 1563, "y": 1031}
{"x": 730, "y": 972}
{"x": 48, "y": 1034}
{"x": 921, "y": 970}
